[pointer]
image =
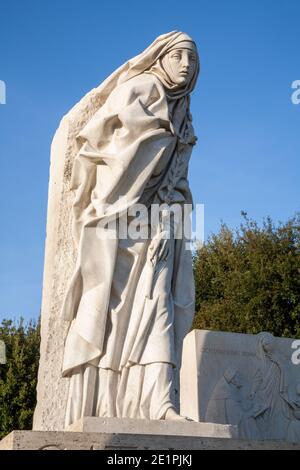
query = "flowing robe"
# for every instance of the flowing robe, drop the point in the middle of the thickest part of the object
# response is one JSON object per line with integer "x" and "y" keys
{"x": 271, "y": 382}
{"x": 128, "y": 317}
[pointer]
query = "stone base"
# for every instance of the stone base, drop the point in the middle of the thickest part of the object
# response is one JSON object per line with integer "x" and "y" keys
{"x": 56, "y": 440}
{"x": 153, "y": 427}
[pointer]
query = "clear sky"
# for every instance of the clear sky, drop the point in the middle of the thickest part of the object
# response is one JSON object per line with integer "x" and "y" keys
{"x": 54, "y": 51}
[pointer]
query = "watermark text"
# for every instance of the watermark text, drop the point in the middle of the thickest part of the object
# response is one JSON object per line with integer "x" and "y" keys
{"x": 296, "y": 353}
{"x": 2, "y": 92}
{"x": 296, "y": 94}
{"x": 2, "y": 352}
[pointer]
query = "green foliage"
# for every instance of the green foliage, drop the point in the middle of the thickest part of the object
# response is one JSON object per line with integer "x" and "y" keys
{"x": 249, "y": 280}
{"x": 18, "y": 377}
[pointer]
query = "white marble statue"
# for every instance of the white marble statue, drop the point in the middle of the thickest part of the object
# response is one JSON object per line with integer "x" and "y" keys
{"x": 130, "y": 301}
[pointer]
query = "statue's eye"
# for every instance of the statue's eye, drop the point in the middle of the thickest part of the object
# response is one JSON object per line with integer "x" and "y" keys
{"x": 176, "y": 56}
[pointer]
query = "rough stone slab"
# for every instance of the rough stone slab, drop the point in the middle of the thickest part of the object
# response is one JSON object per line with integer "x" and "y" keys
{"x": 56, "y": 440}
{"x": 59, "y": 264}
{"x": 153, "y": 427}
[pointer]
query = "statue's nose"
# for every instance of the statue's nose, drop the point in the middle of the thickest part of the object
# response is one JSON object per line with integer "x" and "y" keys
{"x": 185, "y": 63}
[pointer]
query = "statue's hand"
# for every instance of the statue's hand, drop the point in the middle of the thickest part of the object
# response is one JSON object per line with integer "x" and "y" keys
{"x": 163, "y": 250}
{"x": 159, "y": 248}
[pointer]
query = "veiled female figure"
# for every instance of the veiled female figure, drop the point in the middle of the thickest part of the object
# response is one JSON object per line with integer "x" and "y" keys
{"x": 131, "y": 300}
{"x": 270, "y": 389}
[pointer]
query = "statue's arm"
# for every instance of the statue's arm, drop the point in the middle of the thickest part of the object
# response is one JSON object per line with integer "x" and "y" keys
{"x": 121, "y": 142}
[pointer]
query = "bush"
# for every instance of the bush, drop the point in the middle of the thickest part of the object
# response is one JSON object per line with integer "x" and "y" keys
{"x": 18, "y": 377}
{"x": 249, "y": 280}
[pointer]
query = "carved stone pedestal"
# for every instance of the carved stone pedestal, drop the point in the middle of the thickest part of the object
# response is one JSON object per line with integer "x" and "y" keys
{"x": 153, "y": 427}
{"x": 130, "y": 434}
{"x": 57, "y": 440}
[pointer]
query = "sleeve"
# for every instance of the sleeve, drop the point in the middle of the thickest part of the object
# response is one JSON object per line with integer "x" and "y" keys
{"x": 121, "y": 145}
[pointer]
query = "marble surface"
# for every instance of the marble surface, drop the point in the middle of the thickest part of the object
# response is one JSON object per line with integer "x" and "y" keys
{"x": 53, "y": 440}
{"x": 251, "y": 381}
{"x": 128, "y": 141}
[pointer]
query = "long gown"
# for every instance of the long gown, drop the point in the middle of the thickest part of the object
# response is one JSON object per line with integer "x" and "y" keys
{"x": 123, "y": 349}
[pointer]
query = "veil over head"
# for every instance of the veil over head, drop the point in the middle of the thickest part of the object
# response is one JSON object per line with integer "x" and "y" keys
{"x": 161, "y": 68}
{"x": 261, "y": 338}
{"x": 148, "y": 60}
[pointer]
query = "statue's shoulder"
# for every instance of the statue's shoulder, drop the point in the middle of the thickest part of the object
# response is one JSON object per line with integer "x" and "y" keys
{"x": 146, "y": 78}
{"x": 144, "y": 83}
{"x": 144, "y": 87}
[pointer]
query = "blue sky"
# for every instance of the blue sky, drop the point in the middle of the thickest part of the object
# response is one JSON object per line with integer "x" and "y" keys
{"x": 54, "y": 51}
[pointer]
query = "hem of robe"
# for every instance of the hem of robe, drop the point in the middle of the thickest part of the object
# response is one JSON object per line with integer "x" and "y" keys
{"x": 138, "y": 392}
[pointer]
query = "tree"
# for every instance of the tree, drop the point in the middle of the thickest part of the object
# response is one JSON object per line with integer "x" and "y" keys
{"x": 18, "y": 377}
{"x": 248, "y": 280}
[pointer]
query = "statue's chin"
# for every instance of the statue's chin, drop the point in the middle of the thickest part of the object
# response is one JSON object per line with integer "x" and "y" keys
{"x": 180, "y": 81}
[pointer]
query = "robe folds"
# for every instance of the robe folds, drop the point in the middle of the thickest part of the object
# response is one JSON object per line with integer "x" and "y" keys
{"x": 127, "y": 316}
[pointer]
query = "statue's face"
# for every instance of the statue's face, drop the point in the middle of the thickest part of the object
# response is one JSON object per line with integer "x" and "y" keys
{"x": 182, "y": 65}
{"x": 268, "y": 345}
{"x": 237, "y": 380}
